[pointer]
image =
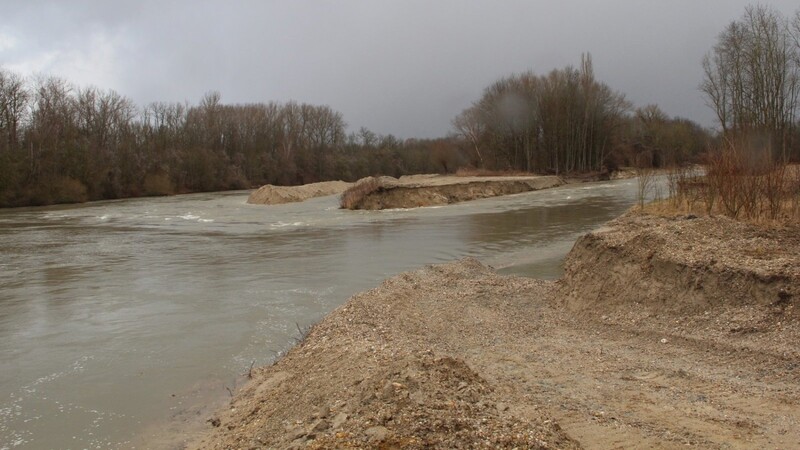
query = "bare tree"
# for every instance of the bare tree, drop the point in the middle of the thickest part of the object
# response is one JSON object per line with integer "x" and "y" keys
{"x": 752, "y": 76}
{"x": 61, "y": 143}
{"x": 469, "y": 125}
{"x": 561, "y": 122}
{"x": 14, "y": 97}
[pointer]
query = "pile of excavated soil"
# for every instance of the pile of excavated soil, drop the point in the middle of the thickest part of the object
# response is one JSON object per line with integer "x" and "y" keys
{"x": 274, "y": 195}
{"x": 412, "y": 191}
{"x": 684, "y": 263}
{"x": 427, "y": 190}
{"x": 704, "y": 278}
{"x": 621, "y": 353}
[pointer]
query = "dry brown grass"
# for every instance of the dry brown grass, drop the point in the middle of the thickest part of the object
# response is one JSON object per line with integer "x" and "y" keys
{"x": 645, "y": 177}
{"x": 746, "y": 186}
{"x": 352, "y": 197}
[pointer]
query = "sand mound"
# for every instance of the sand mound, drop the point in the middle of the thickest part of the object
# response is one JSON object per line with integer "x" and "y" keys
{"x": 274, "y": 195}
{"x": 682, "y": 264}
{"x": 406, "y": 192}
{"x": 416, "y": 191}
{"x": 709, "y": 279}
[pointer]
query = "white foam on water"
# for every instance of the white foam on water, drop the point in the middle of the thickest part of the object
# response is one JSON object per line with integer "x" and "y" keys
{"x": 76, "y": 367}
{"x": 403, "y": 209}
{"x": 287, "y": 224}
{"x": 55, "y": 216}
{"x": 15, "y": 409}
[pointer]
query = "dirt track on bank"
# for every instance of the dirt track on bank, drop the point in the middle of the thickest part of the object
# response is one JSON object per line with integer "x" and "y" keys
{"x": 615, "y": 355}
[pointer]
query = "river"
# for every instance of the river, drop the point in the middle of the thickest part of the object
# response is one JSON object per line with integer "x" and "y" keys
{"x": 115, "y": 316}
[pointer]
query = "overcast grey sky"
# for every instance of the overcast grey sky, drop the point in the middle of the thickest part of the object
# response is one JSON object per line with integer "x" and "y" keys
{"x": 400, "y": 67}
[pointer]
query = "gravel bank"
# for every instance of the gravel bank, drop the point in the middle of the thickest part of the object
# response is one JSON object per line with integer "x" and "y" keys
{"x": 665, "y": 332}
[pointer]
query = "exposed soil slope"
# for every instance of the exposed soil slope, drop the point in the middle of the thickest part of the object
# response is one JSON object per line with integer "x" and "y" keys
{"x": 413, "y": 191}
{"x": 428, "y": 190}
{"x": 621, "y": 353}
{"x": 274, "y": 195}
{"x": 684, "y": 264}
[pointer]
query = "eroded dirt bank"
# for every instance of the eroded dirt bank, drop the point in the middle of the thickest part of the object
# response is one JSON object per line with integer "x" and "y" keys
{"x": 412, "y": 191}
{"x": 434, "y": 190}
{"x": 663, "y": 333}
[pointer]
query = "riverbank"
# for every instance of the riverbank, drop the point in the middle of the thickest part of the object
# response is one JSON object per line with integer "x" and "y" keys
{"x": 436, "y": 190}
{"x": 663, "y": 332}
{"x": 412, "y": 191}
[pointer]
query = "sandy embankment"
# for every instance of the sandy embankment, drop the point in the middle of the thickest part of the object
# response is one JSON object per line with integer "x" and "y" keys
{"x": 275, "y": 195}
{"x": 663, "y": 333}
{"x": 408, "y": 191}
{"x": 434, "y": 190}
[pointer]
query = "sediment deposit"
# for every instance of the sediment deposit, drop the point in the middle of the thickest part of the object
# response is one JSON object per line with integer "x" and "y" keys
{"x": 426, "y": 190}
{"x": 664, "y": 332}
{"x": 275, "y": 195}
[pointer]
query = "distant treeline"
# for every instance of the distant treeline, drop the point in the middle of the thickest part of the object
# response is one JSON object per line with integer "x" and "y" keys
{"x": 567, "y": 121}
{"x": 62, "y": 144}
{"x": 59, "y": 143}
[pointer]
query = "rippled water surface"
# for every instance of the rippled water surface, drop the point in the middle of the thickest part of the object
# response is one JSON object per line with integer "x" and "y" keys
{"x": 116, "y": 315}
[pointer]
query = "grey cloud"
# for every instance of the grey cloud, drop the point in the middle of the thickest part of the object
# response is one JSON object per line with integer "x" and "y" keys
{"x": 395, "y": 67}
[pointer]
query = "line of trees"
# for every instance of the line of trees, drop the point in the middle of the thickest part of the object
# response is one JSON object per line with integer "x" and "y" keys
{"x": 59, "y": 143}
{"x": 568, "y": 121}
{"x": 752, "y": 80}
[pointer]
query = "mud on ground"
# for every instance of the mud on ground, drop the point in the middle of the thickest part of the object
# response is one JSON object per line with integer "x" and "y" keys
{"x": 621, "y": 353}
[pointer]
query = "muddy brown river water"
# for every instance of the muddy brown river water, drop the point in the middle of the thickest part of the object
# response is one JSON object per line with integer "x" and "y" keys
{"x": 116, "y": 316}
